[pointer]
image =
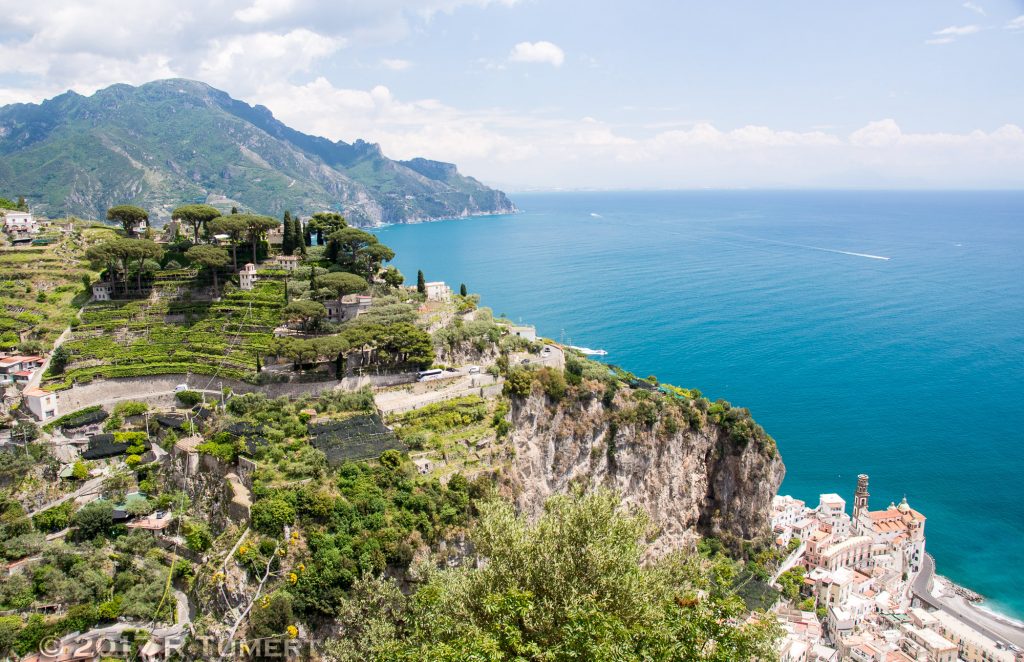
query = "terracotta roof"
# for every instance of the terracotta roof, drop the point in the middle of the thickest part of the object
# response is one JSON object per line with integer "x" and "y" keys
{"x": 36, "y": 392}
{"x": 888, "y": 526}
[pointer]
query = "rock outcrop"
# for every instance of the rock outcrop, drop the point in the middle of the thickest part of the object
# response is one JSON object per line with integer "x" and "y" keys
{"x": 694, "y": 468}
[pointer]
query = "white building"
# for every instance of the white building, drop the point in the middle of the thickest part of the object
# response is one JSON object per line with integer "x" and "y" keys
{"x": 438, "y": 291}
{"x": 102, "y": 291}
{"x": 832, "y": 510}
{"x": 42, "y": 404}
{"x": 287, "y": 262}
{"x": 347, "y": 307}
{"x": 19, "y": 221}
{"x": 18, "y": 369}
{"x": 973, "y": 646}
{"x": 528, "y": 332}
{"x": 935, "y": 646}
{"x": 247, "y": 277}
{"x": 786, "y": 511}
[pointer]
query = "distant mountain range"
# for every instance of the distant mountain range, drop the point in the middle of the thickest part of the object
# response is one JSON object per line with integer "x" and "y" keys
{"x": 175, "y": 141}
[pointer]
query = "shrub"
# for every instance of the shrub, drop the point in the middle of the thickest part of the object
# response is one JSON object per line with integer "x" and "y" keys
{"x": 519, "y": 382}
{"x": 197, "y": 535}
{"x": 131, "y": 408}
{"x": 270, "y": 515}
{"x": 56, "y": 518}
{"x": 553, "y": 382}
{"x": 189, "y": 398}
{"x": 95, "y": 518}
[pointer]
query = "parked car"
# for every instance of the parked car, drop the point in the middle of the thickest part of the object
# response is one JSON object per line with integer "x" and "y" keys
{"x": 180, "y": 387}
{"x": 473, "y": 369}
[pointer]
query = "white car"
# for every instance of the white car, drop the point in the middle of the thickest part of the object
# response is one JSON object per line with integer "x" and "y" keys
{"x": 473, "y": 369}
{"x": 180, "y": 387}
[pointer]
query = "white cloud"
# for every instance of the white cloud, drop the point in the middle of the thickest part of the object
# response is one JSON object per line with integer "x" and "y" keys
{"x": 978, "y": 9}
{"x": 244, "y": 61}
{"x": 272, "y": 52}
{"x": 395, "y": 64}
{"x": 1016, "y": 24}
{"x": 950, "y": 34}
{"x": 262, "y": 11}
{"x": 539, "y": 52}
{"x": 957, "y": 31}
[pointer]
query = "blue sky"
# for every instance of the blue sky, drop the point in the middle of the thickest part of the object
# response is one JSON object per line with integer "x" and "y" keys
{"x": 550, "y": 94}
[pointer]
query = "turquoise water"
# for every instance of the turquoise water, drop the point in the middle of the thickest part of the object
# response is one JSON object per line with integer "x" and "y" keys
{"x": 910, "y": 369}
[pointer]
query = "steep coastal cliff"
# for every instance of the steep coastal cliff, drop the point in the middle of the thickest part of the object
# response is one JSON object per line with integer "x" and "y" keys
{"x": 695, "y": 467}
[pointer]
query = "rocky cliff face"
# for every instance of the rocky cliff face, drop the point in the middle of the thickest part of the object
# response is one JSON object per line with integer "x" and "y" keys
{"x": 691, "y": 473}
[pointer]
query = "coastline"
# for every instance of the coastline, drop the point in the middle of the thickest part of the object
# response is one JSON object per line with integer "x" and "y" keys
{"x": 974, "y": 602}
{"x": 431, "y": 219}
{"x": 967, "y": 606}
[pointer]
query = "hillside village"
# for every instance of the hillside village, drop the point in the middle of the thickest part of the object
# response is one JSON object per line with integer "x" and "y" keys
{"x": 240, "y": 424}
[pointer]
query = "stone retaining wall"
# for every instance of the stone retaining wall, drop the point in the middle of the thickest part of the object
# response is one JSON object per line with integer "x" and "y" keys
{"x": 159, "y": 389}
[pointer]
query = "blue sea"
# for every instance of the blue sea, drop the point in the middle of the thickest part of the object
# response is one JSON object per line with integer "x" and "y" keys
{"x": 868, "y": 332}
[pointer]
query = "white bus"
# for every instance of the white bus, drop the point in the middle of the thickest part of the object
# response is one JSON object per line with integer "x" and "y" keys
{"x": 429, "y": 374}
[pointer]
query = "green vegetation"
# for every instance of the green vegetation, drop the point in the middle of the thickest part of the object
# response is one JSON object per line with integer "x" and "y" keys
{"x": 189, "y": 398}
{"x": 146, "y": 337}
{"x": 791, "y": 582}
{"x": 54, "y": 519}
{"x": 196, "y": 216}
{"x": 211, "y": 258}
{"x": 129, "y": 216}
{"x": 41, "y": 288}
{"x": 96, "y": 584}
{"x": 370, "y": 518}
{"x": 123, "y": 257}
{"x": 570, "y": 586}
{"x": 441, "y": 425}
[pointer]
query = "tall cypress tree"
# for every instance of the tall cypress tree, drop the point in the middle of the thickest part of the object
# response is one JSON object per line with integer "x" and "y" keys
{"x": 287, "y": 237}
{"x": 297, "y": 246}
{"x": 421, "y": 282}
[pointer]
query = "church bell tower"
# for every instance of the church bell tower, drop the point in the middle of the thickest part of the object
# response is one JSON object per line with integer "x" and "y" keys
{"x": 860, "y": 498}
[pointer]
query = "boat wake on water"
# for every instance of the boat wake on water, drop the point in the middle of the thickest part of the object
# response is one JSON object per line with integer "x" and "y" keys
{"x": 819, "y": 248}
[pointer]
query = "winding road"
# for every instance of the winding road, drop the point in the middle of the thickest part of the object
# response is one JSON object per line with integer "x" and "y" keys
{"x": 986, "y": 624}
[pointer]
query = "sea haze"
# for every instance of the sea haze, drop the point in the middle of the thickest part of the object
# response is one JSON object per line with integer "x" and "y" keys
{"x": 874, "y": 332}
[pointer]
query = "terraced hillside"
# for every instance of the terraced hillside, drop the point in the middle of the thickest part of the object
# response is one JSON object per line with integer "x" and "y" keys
{"x": 41, "y": 287}
{"x": 165, "y": 334}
